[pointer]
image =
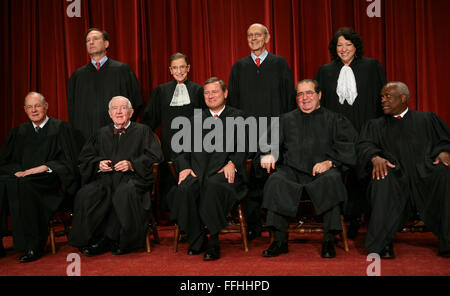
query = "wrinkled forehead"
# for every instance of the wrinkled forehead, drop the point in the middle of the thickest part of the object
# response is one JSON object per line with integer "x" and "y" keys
{"x": 305, "y": 86}
{"x": 212, "y": 86}
{"x": 256, "y": 29}
{"x": 119, "y": 102}
{"x": 94, "y": 33}
{"x": 390, "y": 89}
{"x": 32, "y": 99}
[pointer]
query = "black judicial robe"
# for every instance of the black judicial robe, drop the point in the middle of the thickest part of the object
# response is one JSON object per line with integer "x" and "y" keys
{"x": 307, "y": 139}
{"x": 370, "y": 79}
{"x": 34, "y": 198}
{"x": 126, "y": 193}
{"x": 213, "y": 195}
{"x": 89, "y": 92}
{"x": 265, "y": 92}
{"x": 159, "y": 112}
{"x": 412, "y": 144}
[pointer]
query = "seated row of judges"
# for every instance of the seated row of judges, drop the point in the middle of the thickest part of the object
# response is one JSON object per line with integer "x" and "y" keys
{"x": 406, "y": 154}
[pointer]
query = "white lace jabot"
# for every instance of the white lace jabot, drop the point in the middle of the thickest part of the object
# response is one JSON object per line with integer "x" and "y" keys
{"x": 180, "y": 96}
{"x": 346, "y": 86}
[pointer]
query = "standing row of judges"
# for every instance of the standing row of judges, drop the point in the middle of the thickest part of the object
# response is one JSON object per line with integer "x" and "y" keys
{"x": 260, "y": 85}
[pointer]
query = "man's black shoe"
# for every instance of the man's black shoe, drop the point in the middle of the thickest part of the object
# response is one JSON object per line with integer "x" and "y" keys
{"x": 388, "y": 252}
{"x": 328, "y": 250}
{"x": 212, "y": 254}
{"x": 252, "y": 234}
{"x": 117, "y": 250}
{"x": 101, "y": 247}
{"x": 275, "y": 249}
{"x": 30, "y": 255}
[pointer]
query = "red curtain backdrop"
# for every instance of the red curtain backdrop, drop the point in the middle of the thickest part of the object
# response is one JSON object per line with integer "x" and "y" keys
{"x": 42, "y": 45}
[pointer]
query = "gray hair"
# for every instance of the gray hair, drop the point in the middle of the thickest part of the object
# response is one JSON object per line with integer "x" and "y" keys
{"x": 130, "y": 106}
{"x": 266, "y": 31}
{"x": 402, "y": 88}
{"x": 222, "y": 84}
{"x": 33, "y": 93}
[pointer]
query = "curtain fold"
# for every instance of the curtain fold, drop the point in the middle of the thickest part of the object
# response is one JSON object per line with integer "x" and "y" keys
{"x": 42, "y": 46}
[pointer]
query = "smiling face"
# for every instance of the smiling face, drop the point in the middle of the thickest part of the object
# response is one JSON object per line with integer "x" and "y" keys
{"x": 345, "y": 50}
{"x": 307, "y": 98}
{"x": 392, "y": 102}
{"x": 120, "y": 111}
{"x": 179, "y": 69}
{"x": 214, "y": 96}
{"x": 35, "y": 108}
{"x": 257, "y": 39}
{"x": 95, "y": 44}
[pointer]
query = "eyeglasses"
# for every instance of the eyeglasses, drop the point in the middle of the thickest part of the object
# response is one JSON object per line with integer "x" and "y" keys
{"x": 37, "y": 106}
{"x": 181, "y": 68}
{"x": 257, "y": 35}
{"x": 121, "y": 108}
{"x": 308, "y": 93}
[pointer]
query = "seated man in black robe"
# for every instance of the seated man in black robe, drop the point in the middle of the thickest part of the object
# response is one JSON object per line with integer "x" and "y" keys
{"x": 112, "y": 208}
{"x": 407, "y": 154}
{"x": 210, "y": 181}
{"x": 316, "y": 146}
{"x": 36, "y": 160}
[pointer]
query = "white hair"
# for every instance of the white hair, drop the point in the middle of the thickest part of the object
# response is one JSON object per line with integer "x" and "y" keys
{"x": 33, "y": 93}
{"x": 403, "y": 88}
{"x": 266, "y": 31}
{"x": 130, "y": 106}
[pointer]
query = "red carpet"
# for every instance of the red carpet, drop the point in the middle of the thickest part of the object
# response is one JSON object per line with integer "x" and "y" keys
{"x": 416, "y": 256}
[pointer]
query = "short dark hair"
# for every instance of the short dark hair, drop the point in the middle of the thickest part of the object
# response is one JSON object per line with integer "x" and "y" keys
{"x": 348, "y": 34}
{"x": 315, "y": 82}
{"x": 215, "y": 79}
{"x": 104, "y": 33}
{"x": 177, "y": 56}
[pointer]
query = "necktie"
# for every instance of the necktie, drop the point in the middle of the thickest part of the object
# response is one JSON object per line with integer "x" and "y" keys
{"x": 258, "y": 61}
{"x": 38, "y": 129}
{"x": 216, "y": 116}
{"x": 119, "y": 131}
{"x": 398, "y": 117}
{"x": 98, "y": 65}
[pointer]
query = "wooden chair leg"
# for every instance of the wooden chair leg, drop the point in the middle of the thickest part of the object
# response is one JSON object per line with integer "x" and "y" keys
{"x": 176, "y": 238}
{"x": 243, "y": 227}
{"x": 148, "y": 245}
{"x": 52, "y": 239}
{"x": 344, "y": 234}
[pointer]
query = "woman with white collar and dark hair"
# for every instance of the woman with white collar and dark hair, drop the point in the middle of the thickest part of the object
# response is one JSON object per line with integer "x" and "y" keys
{"x": 351, "y": 85}
{"x": 178, "y": 97}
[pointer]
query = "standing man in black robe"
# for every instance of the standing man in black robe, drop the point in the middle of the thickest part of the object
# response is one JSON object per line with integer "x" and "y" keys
{"x": 92, "y": 86}
{"x": 176, "y": 98}
{"x": 36, "y": 159}
{"x": 316, "y": 146}
{"x": 406, "y": 153}
{"x": 210, "y": 181}
{"x": 112, "y": 208}
{"x": 261, "y": 85}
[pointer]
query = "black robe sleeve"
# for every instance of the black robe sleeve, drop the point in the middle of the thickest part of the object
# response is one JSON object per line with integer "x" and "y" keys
{"x": 152, "y": 114}
{"x": 9, "y": 165}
